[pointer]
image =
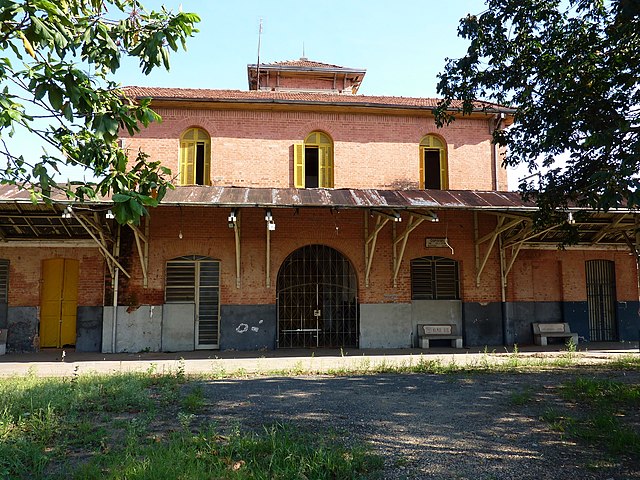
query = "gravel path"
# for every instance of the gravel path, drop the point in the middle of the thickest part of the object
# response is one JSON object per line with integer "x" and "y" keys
{"x": 429, "y": 426}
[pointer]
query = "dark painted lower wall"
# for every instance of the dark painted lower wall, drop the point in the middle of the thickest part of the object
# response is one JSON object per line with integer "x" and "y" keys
{"x": 248, "y": 327}
{"x": 576, "y": 314}
{"x": 520, "y": 315}
{"x": 4, "y": 310}
{"x": 22, "y": 323}
{"x": 89, "y": 329}
{"x": 628, "y": 320}
{"x": 482, "y": 323}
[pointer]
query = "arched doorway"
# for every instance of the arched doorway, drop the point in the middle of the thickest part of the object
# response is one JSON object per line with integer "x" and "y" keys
{"x": 317, "y": 299}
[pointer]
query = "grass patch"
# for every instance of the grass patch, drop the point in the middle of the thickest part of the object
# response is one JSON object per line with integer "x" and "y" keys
{"x": 145, "y": 426}
{"x": 626, "y": 362}
{"x": 279, "y": 451}
{"x": 603, "y": 406}
{"x": 522, "y": 397}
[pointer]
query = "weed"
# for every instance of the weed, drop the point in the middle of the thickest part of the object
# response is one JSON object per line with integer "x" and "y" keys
{"x": 522, "y": 397}
{"x": 193, "y": 402}
{"x": 514, "y": 360}
{"x": 180, "y": 370}
{"x": 152, "y": 368}
{"x": 626, "y": 362}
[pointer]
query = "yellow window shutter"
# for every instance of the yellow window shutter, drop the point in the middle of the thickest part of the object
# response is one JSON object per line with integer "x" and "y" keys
{"x": 182, "y": 163}
{"x": 187, "y": 163}
{"x": 298, "y": 165}
{"x": 207, "y": 163}
{"x": 422, "y": 152}
{"x": 444, "y": 177}
{"x": 325, "y": 167}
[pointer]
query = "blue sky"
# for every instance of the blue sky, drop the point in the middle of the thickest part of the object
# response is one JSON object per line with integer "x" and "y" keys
{"x": 402, "y": 44}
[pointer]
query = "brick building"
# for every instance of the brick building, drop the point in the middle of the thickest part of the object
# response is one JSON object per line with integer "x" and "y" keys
{"x": 310, "y": 216}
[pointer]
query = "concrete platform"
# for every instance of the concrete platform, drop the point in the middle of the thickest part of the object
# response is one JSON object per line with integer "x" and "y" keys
{"x": 52, "y": 362}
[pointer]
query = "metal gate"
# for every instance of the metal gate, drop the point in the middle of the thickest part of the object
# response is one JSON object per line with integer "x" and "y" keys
{"x": 196, "y": 279}
{"x": 317, "y": 299}
{"x": 601, "y": 298}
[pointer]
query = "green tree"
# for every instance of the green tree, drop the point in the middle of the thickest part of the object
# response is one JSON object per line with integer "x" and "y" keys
{"x": 49, "y": 48}
{"x": 571, "y": 71}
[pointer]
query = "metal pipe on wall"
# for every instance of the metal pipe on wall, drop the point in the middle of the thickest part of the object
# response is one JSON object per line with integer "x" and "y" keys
{"x": 116, "y": 275}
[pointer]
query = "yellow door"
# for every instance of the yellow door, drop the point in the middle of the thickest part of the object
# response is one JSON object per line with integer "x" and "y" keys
{"x": 59, "y": 301}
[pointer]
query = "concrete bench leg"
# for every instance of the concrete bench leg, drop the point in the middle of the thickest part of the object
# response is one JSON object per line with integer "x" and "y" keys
{"x": 456, "y": 343}
{"x": 424, "y": 342}
{"x": 540, "y": 340}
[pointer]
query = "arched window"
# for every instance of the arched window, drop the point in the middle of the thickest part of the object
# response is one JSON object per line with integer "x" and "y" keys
{"x": 433, "y": 163}
{"x": 313, "y": 162}
{"x": 195, "y": 157}
{"x": 434, "y": 278}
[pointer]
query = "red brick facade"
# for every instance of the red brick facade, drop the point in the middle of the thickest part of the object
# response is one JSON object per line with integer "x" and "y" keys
{"x": 254, "y": 148}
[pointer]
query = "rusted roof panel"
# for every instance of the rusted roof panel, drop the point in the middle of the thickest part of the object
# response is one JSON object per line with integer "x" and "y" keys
{"x": 345, "y": 198}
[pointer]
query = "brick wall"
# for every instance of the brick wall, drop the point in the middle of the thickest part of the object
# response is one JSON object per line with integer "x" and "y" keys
{"x": 25, "y": 273}
{"x": 553, "y": 275}
{"x": 253, "y": 147}
{"x": 205, "y": 232}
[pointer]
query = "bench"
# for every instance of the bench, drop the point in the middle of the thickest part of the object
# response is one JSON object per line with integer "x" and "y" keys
{"x": 447, "y": 331}
{"x": 543, "y": 331}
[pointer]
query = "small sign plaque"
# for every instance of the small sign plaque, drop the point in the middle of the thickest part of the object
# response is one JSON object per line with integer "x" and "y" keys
{"x": 437, "y": 329}
{"x": 436, "y": 243}
{"x": 316, "y": 313}
{"x": 551, "y": 327}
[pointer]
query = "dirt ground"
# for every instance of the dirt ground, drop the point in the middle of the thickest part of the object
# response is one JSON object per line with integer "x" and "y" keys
{"x": 452, "y": 426}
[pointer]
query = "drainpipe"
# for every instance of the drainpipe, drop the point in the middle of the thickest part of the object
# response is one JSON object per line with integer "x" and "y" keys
{"x": 636, "y": 252}
{"x": 503, "y": 293}
{"x": 495, "y": 152}
{"x": 116, "y": 277}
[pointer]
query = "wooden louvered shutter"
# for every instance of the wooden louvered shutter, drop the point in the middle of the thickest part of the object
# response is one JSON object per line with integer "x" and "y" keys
{"x": 422, "y": 154}
{"x": 325, "y": 167}
{"x": 298, "y": 165}
{"x": 187, "y": 163}
{"x": 206, "y": 175}
{"x": 444, "y": 180}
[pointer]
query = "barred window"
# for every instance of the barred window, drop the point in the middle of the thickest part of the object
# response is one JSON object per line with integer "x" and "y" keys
{"x": 434, "y": 278}
{"x": 4, "y": 281}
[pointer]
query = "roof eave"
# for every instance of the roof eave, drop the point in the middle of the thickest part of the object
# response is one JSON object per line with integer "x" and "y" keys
{"x": 276, "y": 101}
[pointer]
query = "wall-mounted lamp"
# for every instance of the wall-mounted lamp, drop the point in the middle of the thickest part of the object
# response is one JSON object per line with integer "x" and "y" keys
{"x": 232, "y": 219}
{"x": 269, "y": 219}
{"x": 67, "y": 212}
{"x": 397, "y": 217}
{"x": 570, "y": 219}
{"x": 109, "y": 215}
{"x": 434, "y": 218}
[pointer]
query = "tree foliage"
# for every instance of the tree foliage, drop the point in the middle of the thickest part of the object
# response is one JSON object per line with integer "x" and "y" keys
{"x": 571, "y": 71}
{"x": 56, "y": 71}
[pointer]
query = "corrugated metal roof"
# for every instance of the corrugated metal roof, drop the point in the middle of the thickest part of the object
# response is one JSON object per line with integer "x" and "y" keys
{"x": 315, "y": 197}
{"x": 346, "y": 198}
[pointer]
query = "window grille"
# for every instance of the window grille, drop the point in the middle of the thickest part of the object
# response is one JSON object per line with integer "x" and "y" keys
{"x": 195, "y": 279}
{"x": 434, "y": 278}
{"x": 4, "y": 281}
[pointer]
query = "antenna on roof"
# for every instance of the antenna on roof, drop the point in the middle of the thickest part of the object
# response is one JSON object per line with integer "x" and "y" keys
{"x": 258, "y": 64}
{"x": 303, "y": 57}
